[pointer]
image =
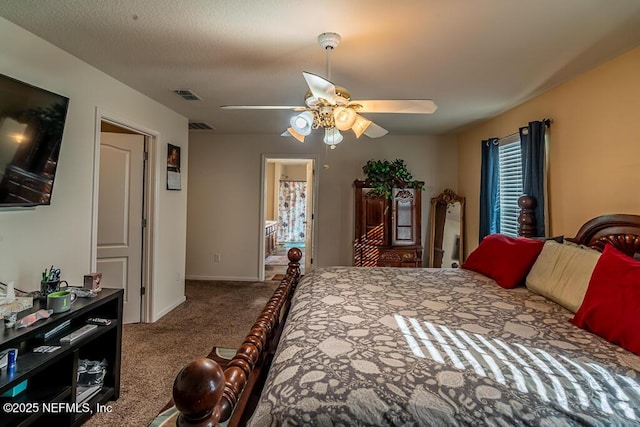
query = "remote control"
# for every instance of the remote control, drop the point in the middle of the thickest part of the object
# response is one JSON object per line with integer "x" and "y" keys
{"x": 98, "y": 321}
{"x": 78, "y": 333}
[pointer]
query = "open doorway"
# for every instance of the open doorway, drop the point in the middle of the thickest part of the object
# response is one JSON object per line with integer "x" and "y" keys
{"x": 122, "y": 212}
{"x": 287, "y": 204}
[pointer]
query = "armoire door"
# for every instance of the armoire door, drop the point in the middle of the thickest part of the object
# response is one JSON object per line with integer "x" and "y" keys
{"x": 371, "y": 225}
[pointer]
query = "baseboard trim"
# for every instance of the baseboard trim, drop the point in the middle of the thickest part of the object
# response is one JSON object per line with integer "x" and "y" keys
{"x": 166, "y": 311}
{"x": 225, "y": 278}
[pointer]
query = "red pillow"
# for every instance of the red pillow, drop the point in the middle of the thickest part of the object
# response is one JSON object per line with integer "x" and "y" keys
{"x": 505, "y": 259}
{"x": 611, "y": 305}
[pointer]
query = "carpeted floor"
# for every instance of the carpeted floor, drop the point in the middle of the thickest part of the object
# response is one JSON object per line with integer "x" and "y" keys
{"x": 215, "y": 314}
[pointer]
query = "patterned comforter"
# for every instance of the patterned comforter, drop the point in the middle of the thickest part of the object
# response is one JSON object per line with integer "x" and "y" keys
{"x": 403, "y": 347}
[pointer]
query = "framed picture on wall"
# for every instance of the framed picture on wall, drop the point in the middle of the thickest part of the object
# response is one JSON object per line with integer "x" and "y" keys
{"x": 173, "y": 167}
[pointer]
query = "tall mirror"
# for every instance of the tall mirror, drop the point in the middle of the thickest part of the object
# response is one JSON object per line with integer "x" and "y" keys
{"x": 446, "y": 243}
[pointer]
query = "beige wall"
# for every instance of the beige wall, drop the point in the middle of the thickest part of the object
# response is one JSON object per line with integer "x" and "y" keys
{"x": 594, "y": 146}
{"x": 294, "y": 172}
{"x": 224, "y": 194}
{"x": 61, "y": 234}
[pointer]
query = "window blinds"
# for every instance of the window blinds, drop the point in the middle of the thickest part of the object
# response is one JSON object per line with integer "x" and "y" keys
{"x": 509, "y": 186}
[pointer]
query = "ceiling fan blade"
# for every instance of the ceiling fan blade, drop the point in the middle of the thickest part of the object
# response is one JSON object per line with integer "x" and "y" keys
{"x": 292, "y": 132}
{"x": 405, "y": 106}
{"x": 375, "y": 131}
{"x": 262, "y": 107}
{"x": 320, "y": 87}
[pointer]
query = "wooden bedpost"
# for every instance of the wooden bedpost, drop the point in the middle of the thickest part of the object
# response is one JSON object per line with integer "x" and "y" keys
{"x": 197, "y": 391}
{"x": 526, "y": 219}
{"x": 204, "y": 394}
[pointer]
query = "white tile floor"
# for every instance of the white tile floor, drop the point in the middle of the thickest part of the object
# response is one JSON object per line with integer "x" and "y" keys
{"x": 277, "y": 263}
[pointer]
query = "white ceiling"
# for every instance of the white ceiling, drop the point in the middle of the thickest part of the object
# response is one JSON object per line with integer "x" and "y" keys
{"x": 474, "y": 58}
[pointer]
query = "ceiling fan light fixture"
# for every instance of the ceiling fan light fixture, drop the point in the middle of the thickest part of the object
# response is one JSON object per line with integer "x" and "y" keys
{"x": 330, "y": 107}
{"x": 332, "y": 136}
{"x": 344, "y": 118}
{"x": 361, "y": 124}
{"x": 302, "y": 123}
{"x": 295, "y": 134}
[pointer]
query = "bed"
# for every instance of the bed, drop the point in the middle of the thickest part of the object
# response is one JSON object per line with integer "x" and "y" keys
{"x": 390, "y": 346}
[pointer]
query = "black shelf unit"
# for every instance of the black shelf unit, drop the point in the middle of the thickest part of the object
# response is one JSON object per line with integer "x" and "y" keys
{"x": 52, "y": 377}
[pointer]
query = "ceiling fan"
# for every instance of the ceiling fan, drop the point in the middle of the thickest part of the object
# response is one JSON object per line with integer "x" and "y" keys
{"x": 331, "y": 108}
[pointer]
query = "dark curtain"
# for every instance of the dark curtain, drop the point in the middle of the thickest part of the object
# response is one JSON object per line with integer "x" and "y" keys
{"x": 533, "y": 168}
{"x": 489, "y": 203}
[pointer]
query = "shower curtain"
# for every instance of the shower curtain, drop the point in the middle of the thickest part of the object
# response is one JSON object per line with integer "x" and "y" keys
{"x": 292, "y": 211}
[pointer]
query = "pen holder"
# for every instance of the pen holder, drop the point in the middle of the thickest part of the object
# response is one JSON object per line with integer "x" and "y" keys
{"x": 50, "y": 286}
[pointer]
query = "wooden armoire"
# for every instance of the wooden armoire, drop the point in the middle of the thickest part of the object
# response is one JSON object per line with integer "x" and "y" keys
{"x": 387, "y": 232}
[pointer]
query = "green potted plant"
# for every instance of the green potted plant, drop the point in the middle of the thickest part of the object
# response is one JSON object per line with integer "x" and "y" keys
{"x": 384, "y": 175}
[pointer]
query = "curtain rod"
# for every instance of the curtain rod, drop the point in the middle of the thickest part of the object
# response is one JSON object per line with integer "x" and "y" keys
{"x": 547, "y": 124}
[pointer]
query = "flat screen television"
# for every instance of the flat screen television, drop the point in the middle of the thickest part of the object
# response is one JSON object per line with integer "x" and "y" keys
{"x": 31, "y": 127}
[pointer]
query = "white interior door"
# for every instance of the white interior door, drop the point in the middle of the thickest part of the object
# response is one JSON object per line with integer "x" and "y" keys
{"x": 120, "y": 208}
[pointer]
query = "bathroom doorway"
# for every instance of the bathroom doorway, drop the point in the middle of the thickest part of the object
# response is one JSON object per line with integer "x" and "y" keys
{"x": 287, "y": 206}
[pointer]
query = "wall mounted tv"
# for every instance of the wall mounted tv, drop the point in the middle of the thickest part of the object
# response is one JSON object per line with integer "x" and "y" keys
{"x": 31, "y": 126}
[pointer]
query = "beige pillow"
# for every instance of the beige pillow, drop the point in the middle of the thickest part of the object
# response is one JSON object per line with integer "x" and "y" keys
{"x": 562, "y": 273}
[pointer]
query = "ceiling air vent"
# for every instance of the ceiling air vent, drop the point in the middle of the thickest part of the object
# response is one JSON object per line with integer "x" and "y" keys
{"x": 200, "y": 126}
{"x": 187, "y": 94}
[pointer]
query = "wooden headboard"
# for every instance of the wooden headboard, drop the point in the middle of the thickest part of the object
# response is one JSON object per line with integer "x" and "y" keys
{"x": 620, "y": 230}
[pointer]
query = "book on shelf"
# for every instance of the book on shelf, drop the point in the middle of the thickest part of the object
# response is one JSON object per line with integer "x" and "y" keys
{"x": 78, "y": 333}
{"x": 58, "y": 329}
